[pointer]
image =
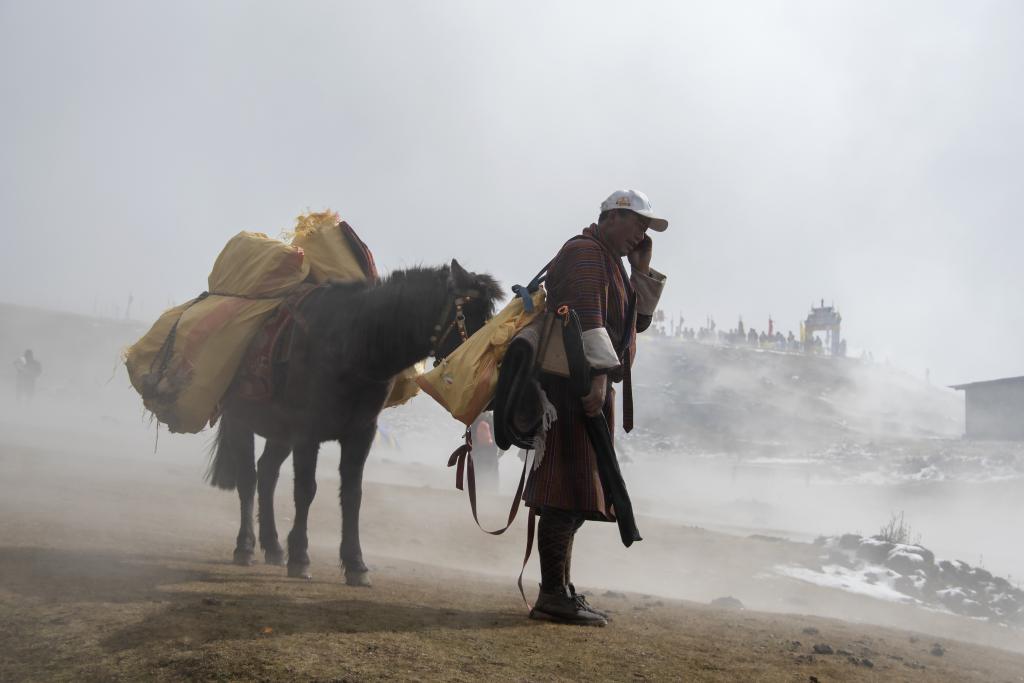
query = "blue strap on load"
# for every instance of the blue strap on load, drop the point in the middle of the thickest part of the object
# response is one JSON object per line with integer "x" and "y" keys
{"x": 527, "y": 292}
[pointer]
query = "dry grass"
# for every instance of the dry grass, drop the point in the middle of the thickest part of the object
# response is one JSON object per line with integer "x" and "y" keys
{"x": 110, "y": 569}
{"x": 79, "y": 615}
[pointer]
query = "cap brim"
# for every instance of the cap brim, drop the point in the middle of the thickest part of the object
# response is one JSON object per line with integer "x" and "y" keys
{"x": 654, "y": 223}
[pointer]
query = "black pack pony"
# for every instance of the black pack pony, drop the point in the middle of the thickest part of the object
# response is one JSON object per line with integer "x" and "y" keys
{"x": 355, "y": 338}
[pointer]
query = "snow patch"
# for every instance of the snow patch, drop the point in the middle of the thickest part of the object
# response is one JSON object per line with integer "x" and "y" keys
{"x": 874, "y": 582}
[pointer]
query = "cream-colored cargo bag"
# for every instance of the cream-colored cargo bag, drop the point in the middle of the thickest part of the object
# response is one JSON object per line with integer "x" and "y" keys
{"x": 465, "y": 382}
{"x": 187, "y": 360}
{"x": 185, "y": 363}
{"x": 321, "y": 236}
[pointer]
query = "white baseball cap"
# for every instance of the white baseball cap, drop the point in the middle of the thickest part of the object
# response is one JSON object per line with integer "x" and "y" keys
{"x": 637, "y": 202}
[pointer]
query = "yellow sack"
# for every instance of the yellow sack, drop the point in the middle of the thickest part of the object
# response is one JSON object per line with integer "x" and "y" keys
{"x": 327, "y": 251}
{"x": 187, "y": 360}
{"x": 465, "y": 382}
{"x": 405, "y": 387}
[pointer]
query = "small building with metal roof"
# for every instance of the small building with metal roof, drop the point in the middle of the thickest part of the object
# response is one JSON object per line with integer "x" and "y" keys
{"x": 995, "y": 409}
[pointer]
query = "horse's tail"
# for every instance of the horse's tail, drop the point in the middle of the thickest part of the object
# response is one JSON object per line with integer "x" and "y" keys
{"x": 226, "y": 454}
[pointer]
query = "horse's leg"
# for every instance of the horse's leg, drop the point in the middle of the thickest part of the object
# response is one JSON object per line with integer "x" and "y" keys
{"x": 354, "y": 449}
{"x": 243, "y": 442}
{"x": 304, "y": 464}
{"x": 267, "y": 470}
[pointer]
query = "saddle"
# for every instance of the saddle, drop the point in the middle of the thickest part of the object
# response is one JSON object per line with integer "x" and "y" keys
{"x": 263, "y": 375}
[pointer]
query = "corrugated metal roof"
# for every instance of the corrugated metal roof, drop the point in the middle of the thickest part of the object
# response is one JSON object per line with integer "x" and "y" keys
{"x": 1005, "y": 380}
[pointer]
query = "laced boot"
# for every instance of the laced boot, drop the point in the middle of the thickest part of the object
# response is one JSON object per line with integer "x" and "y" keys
{"x": 561, "y": 606}
{"x": 581, "y": 599}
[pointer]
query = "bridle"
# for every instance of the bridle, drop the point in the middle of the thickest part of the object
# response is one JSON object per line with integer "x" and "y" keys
{"x": 458, "y": 322}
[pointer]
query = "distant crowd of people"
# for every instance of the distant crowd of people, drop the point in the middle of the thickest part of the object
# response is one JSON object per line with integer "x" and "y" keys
{"x": 741, "y": 336}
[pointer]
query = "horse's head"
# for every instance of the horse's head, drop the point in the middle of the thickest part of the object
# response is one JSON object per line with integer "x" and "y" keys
{"x": 473, "y": 296}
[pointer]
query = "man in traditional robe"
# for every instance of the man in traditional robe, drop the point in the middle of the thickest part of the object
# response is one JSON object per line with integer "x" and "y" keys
{"x": 565, "y": 489}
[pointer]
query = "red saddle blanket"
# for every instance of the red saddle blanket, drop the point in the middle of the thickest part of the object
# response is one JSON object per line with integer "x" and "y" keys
{"x": 263, "y": 373}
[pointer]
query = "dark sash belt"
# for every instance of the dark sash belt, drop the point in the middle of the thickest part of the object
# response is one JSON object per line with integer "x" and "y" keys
{"x": 597, "y": 429}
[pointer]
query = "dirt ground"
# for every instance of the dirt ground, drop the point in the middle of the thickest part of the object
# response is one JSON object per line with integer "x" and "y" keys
{"x": 113, "y": 566}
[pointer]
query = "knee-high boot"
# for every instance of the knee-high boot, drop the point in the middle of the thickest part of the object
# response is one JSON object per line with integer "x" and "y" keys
{"x": 554, "y": 540}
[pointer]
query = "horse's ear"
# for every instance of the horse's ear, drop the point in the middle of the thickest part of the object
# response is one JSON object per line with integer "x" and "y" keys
{"x": 459, "y": 278}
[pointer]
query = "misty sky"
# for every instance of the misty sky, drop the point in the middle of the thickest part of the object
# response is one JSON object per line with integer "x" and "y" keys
{"x": 866, "y": 152}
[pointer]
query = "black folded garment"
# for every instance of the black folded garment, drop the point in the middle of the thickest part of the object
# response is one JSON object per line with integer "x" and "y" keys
{"x": 518, "y": 409}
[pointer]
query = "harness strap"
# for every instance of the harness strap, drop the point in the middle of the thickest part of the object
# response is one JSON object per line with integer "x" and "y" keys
{"x": 531, "y": 526}
{"x": 462, "y": 460}
{"x": 458, "y": 322}
{"x": 167, "y": 348}
{"x": 465, "y": 479}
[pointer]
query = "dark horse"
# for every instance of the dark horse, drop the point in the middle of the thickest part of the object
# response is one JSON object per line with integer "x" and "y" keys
{"x": 358, "y": 337}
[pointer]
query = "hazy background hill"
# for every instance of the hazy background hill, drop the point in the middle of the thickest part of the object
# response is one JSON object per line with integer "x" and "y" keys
{"x": 81, "y": 355}
{"x": 690, "y": 397}
{"x": 738, "y": 398}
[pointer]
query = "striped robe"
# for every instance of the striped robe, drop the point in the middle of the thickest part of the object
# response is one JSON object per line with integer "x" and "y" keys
{"x": 591, "y": 280}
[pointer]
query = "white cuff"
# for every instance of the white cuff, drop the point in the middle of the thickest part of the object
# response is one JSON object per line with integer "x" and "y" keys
{"x": 648, "y": 290}
{"x": 600, "y": 352}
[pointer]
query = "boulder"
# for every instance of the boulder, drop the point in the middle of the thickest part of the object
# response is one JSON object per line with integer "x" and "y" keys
{"x": 981, "y": 575}
{"x": 1005, "y": 605}
{"x": 906, "y": 585}
{"x": 903, "y": 560}
{"x": 927, "y": 555}
{"x": 728, "y": 602}
{"x": 974, "y": 578}
{"x": 841, "y": 558}
{"x": 874, "y": 550}
{"x": 850, "y": 541}
{"x": 1002, "y": 585}
{"x": 949, "y": 573}
{"x": 952, "y": 598}
{"x": 973, "y": 608}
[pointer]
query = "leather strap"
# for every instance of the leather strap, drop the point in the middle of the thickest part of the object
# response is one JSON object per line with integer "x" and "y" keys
{"x": 462, "y": 460}
{"x": 531, "y": 526}
{"x": 627, "y": 394}
{"x": 465, "y": 479}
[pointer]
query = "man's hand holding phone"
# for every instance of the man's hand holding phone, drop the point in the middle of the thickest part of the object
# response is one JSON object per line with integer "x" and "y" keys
{"x": 640, "y": 257}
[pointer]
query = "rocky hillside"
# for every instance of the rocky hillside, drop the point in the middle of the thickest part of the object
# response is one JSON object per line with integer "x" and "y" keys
{"x": 692, "y": 394}
{"x": 913, "y": 572}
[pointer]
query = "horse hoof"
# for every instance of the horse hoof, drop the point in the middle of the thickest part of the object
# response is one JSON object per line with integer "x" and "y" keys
{"x": 243, "y": 558}
{"x": 300, "y": 571}
{"x": 274, "y": 557}
{"x": 360, "y": 579}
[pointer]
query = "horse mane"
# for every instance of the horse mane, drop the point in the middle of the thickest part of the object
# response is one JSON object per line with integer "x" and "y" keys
{"x": 393, "y": 318}
{"x": 363, "y": 319}
{"x": 491, "y": 290}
